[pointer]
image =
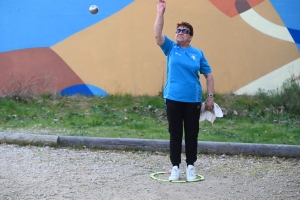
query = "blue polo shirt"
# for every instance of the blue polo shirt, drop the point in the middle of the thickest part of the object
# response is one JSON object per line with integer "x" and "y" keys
{"x": 183, "y": 67}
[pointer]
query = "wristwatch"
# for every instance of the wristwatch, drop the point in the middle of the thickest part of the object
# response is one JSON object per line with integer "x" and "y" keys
{"x": 210, "y": 95}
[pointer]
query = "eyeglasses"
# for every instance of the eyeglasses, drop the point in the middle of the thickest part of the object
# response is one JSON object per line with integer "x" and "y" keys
{"x": 184, "y": 31}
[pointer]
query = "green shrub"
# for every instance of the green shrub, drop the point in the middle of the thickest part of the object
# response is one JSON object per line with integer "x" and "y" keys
{"x": 287, "y": 96}
{"x": 291, "y": 95}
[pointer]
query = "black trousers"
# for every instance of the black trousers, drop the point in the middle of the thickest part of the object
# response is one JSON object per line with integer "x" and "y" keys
{"x": 182, "y": 115}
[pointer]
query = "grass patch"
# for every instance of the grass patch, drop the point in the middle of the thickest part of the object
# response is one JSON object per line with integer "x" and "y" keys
{"x": 144, "y": 117}
{"x": 267, "y": 117}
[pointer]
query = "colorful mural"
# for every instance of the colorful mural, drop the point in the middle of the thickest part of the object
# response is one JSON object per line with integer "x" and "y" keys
{"x": 250, "y": 44}
{"x": 29, "y": 29}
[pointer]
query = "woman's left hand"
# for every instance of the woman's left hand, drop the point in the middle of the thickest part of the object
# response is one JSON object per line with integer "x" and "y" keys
{"x": 209, "y": 104}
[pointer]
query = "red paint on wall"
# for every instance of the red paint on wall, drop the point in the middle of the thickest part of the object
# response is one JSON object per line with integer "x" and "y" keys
{"x": 36, "y": 63}
{"x": 253, "y": 3}
{"x": 228, "y": 6}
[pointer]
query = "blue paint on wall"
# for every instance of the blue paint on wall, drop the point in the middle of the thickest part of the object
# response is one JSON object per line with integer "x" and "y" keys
{"x": 84, "y": 89}
{"x": 43, "y": 23}
{"x": 295, "y": 34}
{"x": 289, "y": 12}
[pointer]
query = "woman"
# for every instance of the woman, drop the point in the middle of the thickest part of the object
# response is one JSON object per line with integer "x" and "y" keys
{"x": 183, "y": 91}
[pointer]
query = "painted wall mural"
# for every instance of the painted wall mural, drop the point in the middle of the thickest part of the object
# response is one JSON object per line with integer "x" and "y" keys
{"x": 250, "y": 44}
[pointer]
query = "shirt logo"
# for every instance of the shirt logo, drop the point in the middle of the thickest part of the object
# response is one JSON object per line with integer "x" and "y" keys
{"x": 193, "y": 56}
{"x": 177, "y": 54}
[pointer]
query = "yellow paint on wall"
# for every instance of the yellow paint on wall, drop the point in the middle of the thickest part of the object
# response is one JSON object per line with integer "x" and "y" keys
{"x": 267, "y": 11}
{"x": 119, "y": 54}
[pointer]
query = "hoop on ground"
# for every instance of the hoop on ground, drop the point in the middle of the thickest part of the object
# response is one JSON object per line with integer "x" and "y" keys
{"x": 153, "y": 176}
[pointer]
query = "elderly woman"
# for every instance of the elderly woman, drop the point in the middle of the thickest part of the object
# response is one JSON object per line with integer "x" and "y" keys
{"x": 183, "y": 91}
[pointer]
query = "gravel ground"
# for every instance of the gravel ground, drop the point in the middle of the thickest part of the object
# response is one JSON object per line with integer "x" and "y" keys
{"x": 31, "y": 172}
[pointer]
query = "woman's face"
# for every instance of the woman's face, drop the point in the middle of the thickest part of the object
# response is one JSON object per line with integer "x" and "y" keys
{"x": 182, "y": 35}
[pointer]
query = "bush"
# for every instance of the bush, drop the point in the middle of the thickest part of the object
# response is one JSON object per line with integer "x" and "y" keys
{"x": 291, "y": 95}
{"x": 23, "y": 87}
{"x": 287, "y": 96}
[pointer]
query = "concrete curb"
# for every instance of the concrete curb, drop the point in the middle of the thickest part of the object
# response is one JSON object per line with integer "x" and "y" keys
{"x": 288, "y": 151}
{"x": 28, "y": 139}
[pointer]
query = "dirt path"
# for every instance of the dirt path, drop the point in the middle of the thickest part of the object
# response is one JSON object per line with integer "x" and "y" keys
{"x": 61, "y": 173}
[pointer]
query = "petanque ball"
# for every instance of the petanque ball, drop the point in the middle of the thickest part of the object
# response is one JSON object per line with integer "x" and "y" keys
{"x": 93, "y": 9}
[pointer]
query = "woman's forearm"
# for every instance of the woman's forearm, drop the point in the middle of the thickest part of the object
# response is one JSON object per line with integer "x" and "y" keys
{"x": 158, "y": 27}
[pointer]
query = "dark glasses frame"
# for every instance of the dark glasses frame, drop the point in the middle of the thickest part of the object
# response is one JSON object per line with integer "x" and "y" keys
{"x": 184, "y": 31}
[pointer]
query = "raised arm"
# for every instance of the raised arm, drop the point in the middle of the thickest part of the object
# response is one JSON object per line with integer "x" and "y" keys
{"x": 159, "y": 22}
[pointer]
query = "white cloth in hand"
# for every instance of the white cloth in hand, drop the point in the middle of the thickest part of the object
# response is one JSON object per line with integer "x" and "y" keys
{"x": 210, "y": 115}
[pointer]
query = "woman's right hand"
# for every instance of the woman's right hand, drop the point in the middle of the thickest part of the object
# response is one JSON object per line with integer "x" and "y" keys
{"x": 161, "y": 6}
